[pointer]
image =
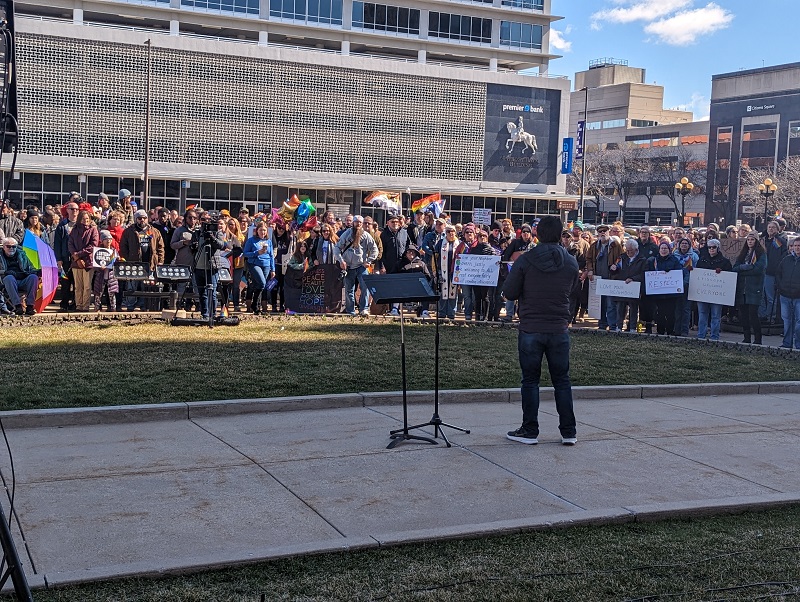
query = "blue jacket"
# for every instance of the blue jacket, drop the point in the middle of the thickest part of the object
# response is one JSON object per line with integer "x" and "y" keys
{"x": 265, "y": 261}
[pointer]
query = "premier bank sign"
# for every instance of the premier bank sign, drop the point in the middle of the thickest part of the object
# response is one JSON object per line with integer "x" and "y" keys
{"x": 523, "y": 109}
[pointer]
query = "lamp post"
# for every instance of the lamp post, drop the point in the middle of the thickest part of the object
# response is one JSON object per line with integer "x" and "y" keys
{"x": 767, "y": 189}
{"x": 684, "y": 187}
{"x": 585, "y": 90}
{"x": 621, "y": 208}
{"x": 146, "y": 175}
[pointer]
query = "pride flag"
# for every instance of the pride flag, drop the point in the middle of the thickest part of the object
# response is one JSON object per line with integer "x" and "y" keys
{"x": 422, "y": 204}
{"x": 390, "y": 201}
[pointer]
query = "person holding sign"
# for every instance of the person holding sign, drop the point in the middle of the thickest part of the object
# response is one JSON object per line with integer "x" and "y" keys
{"x": 630, "y": 268}
{"x": 601, "y": 256}
{"x": 665, "y": 261}
{"x": 541, "y": 280}
{"x": 750, "y": 265}
{"x": 711, "y": 311}
{"x": 787, "y": 280}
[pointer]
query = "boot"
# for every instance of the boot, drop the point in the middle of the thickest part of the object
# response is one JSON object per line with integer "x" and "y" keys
{"x": 255, "y": 307}
{"x": 757, "y": 339}
{"x": 746, "y": 336}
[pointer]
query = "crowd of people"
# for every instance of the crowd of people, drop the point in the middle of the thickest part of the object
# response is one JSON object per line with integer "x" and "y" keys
{"x": 245, "y": 259}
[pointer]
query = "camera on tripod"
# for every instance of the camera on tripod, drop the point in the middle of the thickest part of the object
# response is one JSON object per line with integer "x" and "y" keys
{"x": 210, "y": 224}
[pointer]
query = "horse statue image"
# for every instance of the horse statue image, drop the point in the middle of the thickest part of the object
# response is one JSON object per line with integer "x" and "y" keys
{"x": 518, "y": 134}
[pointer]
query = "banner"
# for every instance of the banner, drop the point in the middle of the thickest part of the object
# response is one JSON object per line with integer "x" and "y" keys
{"x": 664, "y": 283}
{"x": 566, "y": 155}
{"x": 618, "y": 288}
{"x": 318, "y": 290}
{"x": 477, "y": 270}
{"x": 594, "y": 299}
{"x": 709, "y": 287}
{"x": 579, "y": 144}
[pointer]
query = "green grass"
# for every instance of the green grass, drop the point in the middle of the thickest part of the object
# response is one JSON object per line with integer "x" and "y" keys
{"x": 724, "y": 558}
{"x": 96, "y": 364}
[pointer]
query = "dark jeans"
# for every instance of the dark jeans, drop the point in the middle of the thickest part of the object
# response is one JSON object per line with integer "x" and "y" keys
{"x": 532, "y": 347}
{"x": 665, "y": 314}
{"x": 633, "y": 312}
{"x": 750, "y": 321}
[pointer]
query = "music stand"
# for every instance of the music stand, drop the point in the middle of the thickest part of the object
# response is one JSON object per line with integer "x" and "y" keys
{"x": 401, "y": 288}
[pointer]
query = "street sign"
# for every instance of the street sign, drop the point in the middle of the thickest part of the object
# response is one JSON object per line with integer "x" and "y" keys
{"x": 748, "y": 209}
{"x": 566, "y": 155}
{"x": 567, "y": 205}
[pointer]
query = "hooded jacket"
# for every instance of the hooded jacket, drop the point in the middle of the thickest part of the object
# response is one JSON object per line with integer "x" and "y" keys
{"x": 788, "y": 276}
{"x": 542, "y": 280}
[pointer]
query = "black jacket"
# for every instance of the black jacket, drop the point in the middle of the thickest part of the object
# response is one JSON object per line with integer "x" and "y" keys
{"x": 712, "y": 263}
{"x": 542, "y": 280}
{"x": 632, "y": 269}
{"x": 13, "y": 228}
{"x": 788, "y": 277}
{"x": 777, "y": 249}
{"x": 394, "y": 248}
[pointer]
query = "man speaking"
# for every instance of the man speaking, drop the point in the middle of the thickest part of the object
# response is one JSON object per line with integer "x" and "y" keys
{"x": 541, "y": 280}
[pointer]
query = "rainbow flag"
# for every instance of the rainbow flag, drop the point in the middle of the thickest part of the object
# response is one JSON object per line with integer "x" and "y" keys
{"x": 423, "y": 203}
{"x": 390, "y": 201}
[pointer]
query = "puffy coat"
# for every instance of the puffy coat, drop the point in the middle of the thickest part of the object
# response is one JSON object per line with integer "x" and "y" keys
{"x": 750, "y": 282}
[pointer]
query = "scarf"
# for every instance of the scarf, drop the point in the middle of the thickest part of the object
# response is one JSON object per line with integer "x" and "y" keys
{"x": 686, "y": 260}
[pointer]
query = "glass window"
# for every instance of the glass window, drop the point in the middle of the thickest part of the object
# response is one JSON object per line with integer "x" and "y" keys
{"x": 237, "y": 192}
{"x": 265, "y": 194}
{"x": 520, "y": 35}
{"x": 157, "y": 188}
{"x": 52, "y": 182}
{"x": 642, "y": 123}
{"x": 172, "y": 188}
{"x": 247, "y": 7}
{"x": 459, "y": 27}
{"x": 614, "y": 123}
{"x": 95, "y": 185}
{"x": 537, "y": 5}
{"x": 32, "y": 182}
{"x": 207, "y": 191}
{"x": 328, "y": 12}
{"x": 250, "y": 193}
{"x": 71, "y": 183}
{"x": 594, "y": 125}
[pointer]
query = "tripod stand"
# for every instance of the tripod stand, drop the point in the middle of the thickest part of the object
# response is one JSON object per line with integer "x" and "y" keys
{"x": 399, "y": 288}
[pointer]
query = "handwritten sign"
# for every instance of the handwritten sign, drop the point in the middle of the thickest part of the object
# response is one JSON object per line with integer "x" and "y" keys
{"x": 709, "y": 287}
{"x": 664, "y": 283}
{"x": 477, "y": 270}
{"x": 482, "y": 217}
{"x": 594, "y": 299}
{"x": 618, "y": 288}
{"x": 730, "y": 247}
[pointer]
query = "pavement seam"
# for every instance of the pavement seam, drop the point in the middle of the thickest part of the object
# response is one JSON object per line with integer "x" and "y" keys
{"x": 272, "y": 476}
{"x": 674, "y": 405}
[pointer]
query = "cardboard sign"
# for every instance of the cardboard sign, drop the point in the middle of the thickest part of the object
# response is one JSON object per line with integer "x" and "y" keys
{"x": 618, "y": 288}
{"x": 664, "y": 283}
{"x": 709, "y": 287}
{"x": 730, "y": 247}
{"x": 482, "y": 217}
{"x": 477, "y": 270}
{"x": 594, "y": 299}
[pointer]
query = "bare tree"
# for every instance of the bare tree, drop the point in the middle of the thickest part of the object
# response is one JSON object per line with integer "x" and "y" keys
{"x": 625, "y": 169}
{"x": 785, "y": 201}
{"x": 681, "y": 162}
{"x": 596, "y": 180}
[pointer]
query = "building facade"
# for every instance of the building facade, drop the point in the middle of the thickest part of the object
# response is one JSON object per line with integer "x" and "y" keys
{"x": 366, "y": 97}
{"x": 754, "y": 122}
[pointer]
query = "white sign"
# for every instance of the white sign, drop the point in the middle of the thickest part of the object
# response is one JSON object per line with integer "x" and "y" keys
{"x": 709, "y": 287}
{"x": 482, "y": 217}
{"x": 103, "y": 258}
{"x": 664, "y": 283}
{"x": 748, "y": 209}
{"x": 594, "y": 299}
{"x": 477, "y": 270}
{"x": 618, "y": 288}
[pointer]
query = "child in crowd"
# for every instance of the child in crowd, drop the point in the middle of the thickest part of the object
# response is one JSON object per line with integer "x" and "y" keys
{"x": 105, "y": 284}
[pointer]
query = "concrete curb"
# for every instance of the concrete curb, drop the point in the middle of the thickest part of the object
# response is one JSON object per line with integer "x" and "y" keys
{"x": 21, "y": 419}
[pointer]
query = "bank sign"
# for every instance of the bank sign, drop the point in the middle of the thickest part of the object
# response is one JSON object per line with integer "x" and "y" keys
{"x": 521, "y": 143}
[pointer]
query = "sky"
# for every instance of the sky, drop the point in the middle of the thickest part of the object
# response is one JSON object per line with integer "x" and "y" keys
{"x": 680, "y": 43}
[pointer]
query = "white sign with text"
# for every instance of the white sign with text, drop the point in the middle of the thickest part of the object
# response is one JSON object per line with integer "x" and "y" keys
{"x": 594, "y": 299}
{"x": 477, "y": 270}
{"x": 707, "y": 286}
{"x": 618, "y": 288}
{"x": 482, "y": 217}
{"x": 664, "y": 283}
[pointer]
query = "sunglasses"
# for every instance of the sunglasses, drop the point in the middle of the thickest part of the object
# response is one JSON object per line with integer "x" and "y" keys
{"x": 12, "y": 247}
{"x": 566, "y": 236}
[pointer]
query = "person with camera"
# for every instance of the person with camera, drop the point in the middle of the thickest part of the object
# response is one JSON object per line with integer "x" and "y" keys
{"x": 260, "y": 262}
{"x": 208, "y": 260}
{"x": 183, "y": 239}
{"x": 140, "y": 243}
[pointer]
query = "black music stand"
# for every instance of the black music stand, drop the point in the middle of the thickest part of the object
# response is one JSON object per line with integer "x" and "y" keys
{"x": 401, "y": 288}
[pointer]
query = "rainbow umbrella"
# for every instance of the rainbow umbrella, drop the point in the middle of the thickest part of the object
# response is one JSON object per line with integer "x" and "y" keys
{"x": 42, "y": 258}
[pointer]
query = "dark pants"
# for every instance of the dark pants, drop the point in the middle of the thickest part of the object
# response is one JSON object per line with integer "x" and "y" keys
{"x": 67, "y": 289}
{"x": 665, "y": 315}
{"x": 532, "y": 347}
{"x": 647, "y": 309}
{"x": 633, "y": 312}
{"x": 750, "y": 321}
{"x": 278, "y": 290}
{"x": 481, "y": 296}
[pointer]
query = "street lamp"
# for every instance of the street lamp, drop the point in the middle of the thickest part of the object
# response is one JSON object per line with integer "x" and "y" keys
{"x": 621, "y": 208}
{"x": 684, "y": 187}
{"x": 585, "y": 90}
{"x": 146, "y": 175}
{"x": 767, "y": 189}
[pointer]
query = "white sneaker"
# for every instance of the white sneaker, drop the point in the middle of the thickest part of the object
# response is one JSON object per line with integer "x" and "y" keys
{"x": 425, "y": 314}
{"x": 394, "y": 312}
{"x": 569, "y": 440}
{"x": 365, "y": 313}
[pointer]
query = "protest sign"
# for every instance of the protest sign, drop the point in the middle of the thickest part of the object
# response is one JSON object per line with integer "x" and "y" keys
{"x": 103, "y": 258}
{"x": 482, "y": 217}
{"x": 618, "y": 288}
{"x": 730, "y": 247}
{"x": 664, "y": 283}
{"x": 709, "y": 287}
{"x": 477, "y": 270}
{"x": 317, "y": 290}
{"x": 594, "y": 299}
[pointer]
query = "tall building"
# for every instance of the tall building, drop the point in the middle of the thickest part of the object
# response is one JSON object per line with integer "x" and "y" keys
{"x": 754, "y": 122}
{"x": 254, "y": 100}
{"x": 626, "y": 119}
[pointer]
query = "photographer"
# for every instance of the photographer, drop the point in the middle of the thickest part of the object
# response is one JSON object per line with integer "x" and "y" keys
{"x": 183, "y": 239}
{"x": 208, "y": 260}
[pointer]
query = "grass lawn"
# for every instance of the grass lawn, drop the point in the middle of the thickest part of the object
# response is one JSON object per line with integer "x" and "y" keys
{"x": 96, "y": 364}
{"x": 755, "y": 556}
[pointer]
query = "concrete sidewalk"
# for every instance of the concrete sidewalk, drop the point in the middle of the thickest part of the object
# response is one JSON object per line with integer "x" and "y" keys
{"x": 213, "y": 487}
